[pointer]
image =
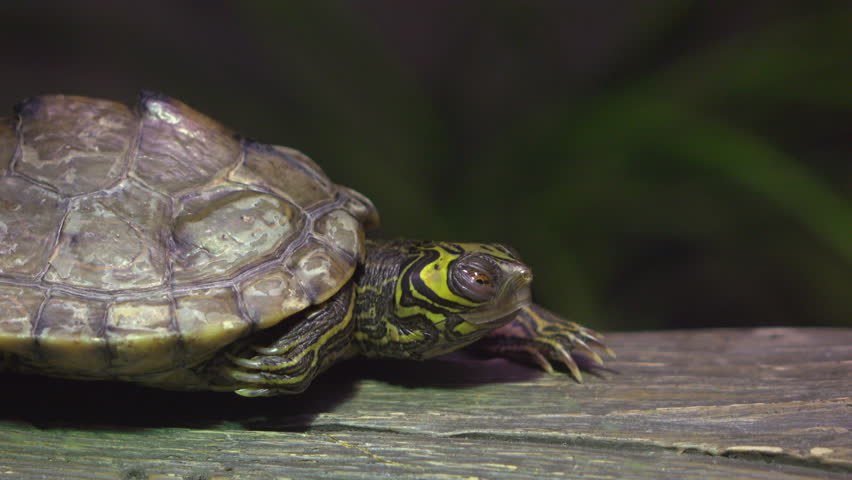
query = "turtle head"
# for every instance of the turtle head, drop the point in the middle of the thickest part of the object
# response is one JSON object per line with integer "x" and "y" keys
{"x": 440, "y": 297}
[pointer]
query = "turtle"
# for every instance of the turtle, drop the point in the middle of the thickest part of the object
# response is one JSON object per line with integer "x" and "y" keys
{"x": 151, "y": 244}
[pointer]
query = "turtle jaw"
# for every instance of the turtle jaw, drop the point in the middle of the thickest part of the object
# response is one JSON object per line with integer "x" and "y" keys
{"x": 499, "y": 313}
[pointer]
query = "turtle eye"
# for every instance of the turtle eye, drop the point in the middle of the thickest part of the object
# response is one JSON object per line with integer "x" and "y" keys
{"x": 474, "y": 280}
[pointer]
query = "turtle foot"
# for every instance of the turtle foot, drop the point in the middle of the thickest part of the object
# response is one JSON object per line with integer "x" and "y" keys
{"x": 537, "y": 335}
{"x": 295, "y": 351}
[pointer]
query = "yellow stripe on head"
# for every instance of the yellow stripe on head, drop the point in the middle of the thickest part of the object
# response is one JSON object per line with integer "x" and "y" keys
{"x": 435, "y": 276}
{"x": 432, "y": 294}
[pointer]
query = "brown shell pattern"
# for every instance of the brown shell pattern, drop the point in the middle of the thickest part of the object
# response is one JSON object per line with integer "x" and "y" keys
{"x": 137, "y": 241}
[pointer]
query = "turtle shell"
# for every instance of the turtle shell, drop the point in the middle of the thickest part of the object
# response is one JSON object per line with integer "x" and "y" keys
{"x": 140, "y": 241}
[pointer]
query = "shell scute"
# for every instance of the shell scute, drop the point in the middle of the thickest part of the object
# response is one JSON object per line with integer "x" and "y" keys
{"x": 29, "y": 218}
{"x": 271, "y": 295}
{"x": 70, "y": 332}
{"x": 286, "y": 172}
{"x": 341, "y": 229}
{"x": 320, "y": 269}
{"x": 209, "y": 319}
{"x": 179, "y": 148}
{"x": 18, "y": 307}
{"x": 113, "y": 241}
{"x": 75, "y": 144}
{"x": 222, "y": 231}
{"x": 141, "y": 335}
{"x": 359, "y": 207}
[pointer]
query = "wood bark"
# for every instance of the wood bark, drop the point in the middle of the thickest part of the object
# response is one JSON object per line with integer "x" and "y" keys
{"x": 770, "y": 403}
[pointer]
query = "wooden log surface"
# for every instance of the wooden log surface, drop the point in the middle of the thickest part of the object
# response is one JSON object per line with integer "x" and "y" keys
{"x": 771, "y": 403}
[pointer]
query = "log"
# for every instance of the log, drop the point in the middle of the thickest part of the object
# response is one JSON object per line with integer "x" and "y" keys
{"x": 768, "y": 403}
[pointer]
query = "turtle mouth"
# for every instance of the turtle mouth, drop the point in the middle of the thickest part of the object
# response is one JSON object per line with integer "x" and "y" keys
{"x": 515, "y": 296}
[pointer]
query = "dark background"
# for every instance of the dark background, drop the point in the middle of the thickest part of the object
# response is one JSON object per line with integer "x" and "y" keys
{"x": 660, "y": 164}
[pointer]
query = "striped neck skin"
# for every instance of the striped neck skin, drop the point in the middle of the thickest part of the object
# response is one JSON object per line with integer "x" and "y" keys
{"x": 419, "y": 299}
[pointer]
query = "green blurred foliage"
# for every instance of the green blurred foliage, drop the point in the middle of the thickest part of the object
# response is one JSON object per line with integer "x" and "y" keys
{"x": 660, "y": 164}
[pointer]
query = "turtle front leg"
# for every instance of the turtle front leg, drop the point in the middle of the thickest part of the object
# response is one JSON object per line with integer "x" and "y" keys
{"x": 301, "y": 347}
{"x": 539, "y": 336}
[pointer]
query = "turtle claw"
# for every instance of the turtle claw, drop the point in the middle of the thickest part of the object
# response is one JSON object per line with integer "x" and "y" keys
{"x": 245, "y": 377}
{"x": 596, "y": 340}
{"x": 248, "y": 363}
{"x": 268, "y": 375}
{"x": 566, "y": 358}
{"x": 265, "y": 383}
{"x": 540, "y": 360}
{"x": 536, "y": 335}
{"x": 268, "y": 350}
{"x": 256, "y": 392}
{"x": 583, "y": 347}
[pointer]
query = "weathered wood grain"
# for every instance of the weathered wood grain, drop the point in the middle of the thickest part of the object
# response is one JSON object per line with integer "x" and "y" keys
{"x": 753, "y": 404}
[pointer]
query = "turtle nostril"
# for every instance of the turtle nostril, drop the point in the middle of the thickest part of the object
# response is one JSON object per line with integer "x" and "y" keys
{"x": 525, "y": 275}
{"x": 521, "y": 276}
